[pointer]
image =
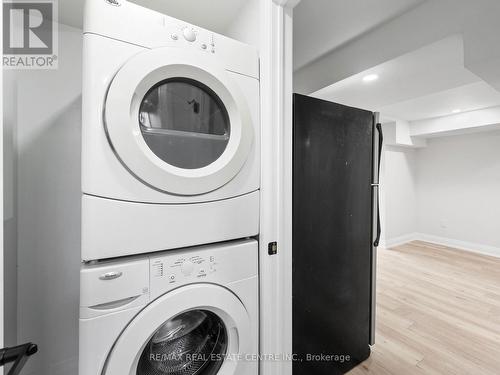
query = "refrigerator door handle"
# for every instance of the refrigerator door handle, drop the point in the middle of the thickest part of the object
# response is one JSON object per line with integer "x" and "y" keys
{"x": 380, "y": 144}
{"x": 379, "y": 226}
{"x": 376, "y": 225}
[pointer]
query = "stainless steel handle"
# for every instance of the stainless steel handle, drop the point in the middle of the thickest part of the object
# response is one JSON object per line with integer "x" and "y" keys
{"x": 111, "y": 276}
{"x": 378, "y": 126}
{"x": 376, "y": 227}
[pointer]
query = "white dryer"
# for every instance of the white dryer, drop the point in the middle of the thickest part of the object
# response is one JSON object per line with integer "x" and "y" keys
{"x": 171, "y": 133}
{"x": 179, "y": 313}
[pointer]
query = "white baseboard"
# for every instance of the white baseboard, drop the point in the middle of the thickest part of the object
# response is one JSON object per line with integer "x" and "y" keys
{"x": 396, "y": 241}
{"x": 462, "y": 245}
{"x": 457, "y": 244}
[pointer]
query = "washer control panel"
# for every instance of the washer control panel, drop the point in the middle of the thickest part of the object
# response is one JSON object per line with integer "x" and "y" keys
{"x": 222, "y": 264}
{"x": 183, "y": 269}
{"x": 191, "y": 36}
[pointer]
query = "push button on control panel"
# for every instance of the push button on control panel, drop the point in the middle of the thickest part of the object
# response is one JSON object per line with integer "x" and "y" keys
{"x": 172, "y": 279}
{"x": 202, "y": 273}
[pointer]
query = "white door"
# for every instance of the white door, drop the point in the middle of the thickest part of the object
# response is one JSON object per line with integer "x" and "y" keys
{"x": 200, "y": 329}
{"x": 1, "y": 199}
{"x": 177, "y": 121}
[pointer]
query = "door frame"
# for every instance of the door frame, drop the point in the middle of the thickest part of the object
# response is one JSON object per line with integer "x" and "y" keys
{"x": 276, "y": 70}
{"x": 1, "y": 200}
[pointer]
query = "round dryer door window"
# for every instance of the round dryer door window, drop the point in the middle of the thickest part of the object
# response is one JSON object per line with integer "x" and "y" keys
{"x": 199, "y": 329}
{"x": 178, "y": 122}
{"x": 184, "y": 123}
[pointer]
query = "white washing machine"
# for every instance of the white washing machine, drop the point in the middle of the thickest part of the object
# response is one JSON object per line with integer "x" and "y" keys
{"x": 180, "y": 313}
{"x": 171, "y": 133}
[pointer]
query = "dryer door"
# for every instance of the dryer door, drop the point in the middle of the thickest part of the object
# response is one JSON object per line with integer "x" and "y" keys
{"x": 200, "y": 329}
{"x": 177, "y": 121}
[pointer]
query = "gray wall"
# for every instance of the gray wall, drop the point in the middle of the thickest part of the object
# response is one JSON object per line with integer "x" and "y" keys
{"x": 446, "y": 192}
{"x": 459, "y": 188}
{"x": 399, "y": 183}
{"x": 10, "y": 207}
{"x": 44, "y": 224}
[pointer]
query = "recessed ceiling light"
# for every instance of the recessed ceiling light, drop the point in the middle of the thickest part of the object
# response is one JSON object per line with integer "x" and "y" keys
{"x": 458, "y": 110}
{"x": 370, "y": 78}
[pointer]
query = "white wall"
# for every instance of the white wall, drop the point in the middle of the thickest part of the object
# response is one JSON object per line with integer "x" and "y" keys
{"x": 448, "y": 192}
{"x": 9, "y": 209}
{"x": 459, "y": 188}
{"x": 400, "y": 195}
{"x": 44, "y": 143}
{"x": 246, "y": 26}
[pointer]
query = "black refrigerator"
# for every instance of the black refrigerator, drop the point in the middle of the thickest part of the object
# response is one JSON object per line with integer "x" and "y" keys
{"x": 336, "y": 230}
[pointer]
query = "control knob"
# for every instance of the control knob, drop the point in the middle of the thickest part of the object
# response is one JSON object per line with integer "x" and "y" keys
{"x": 187, "y": 268}
{"x": 189, "y": 34}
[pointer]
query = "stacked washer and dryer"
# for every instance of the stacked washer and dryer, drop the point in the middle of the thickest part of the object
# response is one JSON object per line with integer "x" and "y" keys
{"x": 170, "y": 205}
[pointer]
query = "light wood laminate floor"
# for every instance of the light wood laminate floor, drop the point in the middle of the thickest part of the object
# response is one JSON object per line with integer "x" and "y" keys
{"x": 438, "y": 312}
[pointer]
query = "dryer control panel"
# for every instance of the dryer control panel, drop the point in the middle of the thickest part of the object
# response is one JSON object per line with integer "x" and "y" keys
{"x": 220, "y": 264}
{"x": 141, "y": 26}
{"x": 190, "y": 36}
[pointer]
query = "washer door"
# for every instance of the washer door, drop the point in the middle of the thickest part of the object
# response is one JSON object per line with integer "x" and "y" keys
{"x": 178, "y": 122}
{"x": 201, "y": 329}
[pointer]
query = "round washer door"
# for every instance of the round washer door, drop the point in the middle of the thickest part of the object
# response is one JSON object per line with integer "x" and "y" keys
{"x": 178, "y": 122}
{"x": 200, "y": 329}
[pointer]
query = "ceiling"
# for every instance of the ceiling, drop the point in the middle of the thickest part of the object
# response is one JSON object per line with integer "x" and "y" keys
{"x": 214, "y": 15}
{"x": 340, "y": 22}
{"x": 429, "y": 82}
{"x": 465, "y": 98}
